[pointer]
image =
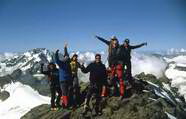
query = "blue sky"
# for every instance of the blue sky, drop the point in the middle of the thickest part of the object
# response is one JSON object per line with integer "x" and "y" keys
{"x": 27, "y": 24}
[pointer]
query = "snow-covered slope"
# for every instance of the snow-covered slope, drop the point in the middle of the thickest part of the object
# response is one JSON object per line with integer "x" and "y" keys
{"x": 176, "y": 71}
{"x": 22, "y": 99}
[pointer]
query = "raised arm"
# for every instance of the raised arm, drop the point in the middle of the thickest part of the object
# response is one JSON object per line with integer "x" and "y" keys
{"x": 103, "y": 40}
{"x": 66, "y": 51}
{"x": 57, "y": 57}
{"x": 138, "y": 46}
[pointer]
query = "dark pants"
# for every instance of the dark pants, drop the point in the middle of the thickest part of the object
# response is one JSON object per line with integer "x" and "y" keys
{"x": 94, "y": 89}
{"x": 54, "y": 89}
{"x": 128, "y": 72}
{"x": 67, "y": 89}
{"x": 76, "y": 90}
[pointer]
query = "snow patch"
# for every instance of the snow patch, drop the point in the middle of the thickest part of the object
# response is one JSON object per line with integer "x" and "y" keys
{"x": 178, "y": 78}
{"x": 22, "y": 99}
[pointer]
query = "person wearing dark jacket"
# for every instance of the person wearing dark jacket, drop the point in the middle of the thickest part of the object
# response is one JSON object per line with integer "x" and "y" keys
{"x": 98, "y": 79}
{"x": 65, "y": 76}
{"x": 53, "y": 77}
{"x": 124, "y": 56}
{"x": 115, "y": 66}
{"x": 113, "y": 46}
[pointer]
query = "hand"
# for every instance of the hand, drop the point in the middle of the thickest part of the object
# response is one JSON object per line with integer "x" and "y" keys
{"x": 57, "y": 50}
{"x": 82, "y": 65}
{"x": 145, "y": 43}
{"x": 66, "y": 44}
{"x": 109, "y": 68}
{"x": 65, "y": 57}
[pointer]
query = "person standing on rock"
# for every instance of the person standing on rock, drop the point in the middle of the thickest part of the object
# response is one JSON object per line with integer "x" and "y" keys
{"x": 53, "y": 77}
{"x": 65, "y": 76}
{"x": 114, "y": 65}
{"x": 98, "y": 79}
{"x": 113, "y": 45}
{"x": 76, "y": 88}
{"x": 125, "y": 57}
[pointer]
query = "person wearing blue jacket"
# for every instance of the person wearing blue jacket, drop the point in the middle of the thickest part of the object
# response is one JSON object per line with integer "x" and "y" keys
{"x": 65, "y": 75}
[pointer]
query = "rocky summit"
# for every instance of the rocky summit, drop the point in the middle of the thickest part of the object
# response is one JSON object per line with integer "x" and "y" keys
{"x": 147, "y": 98}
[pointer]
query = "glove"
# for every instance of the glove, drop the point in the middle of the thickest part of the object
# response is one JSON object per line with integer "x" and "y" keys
{"x": 57, "y": 50}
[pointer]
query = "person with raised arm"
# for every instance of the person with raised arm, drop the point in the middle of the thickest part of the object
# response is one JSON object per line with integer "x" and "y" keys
{"x": 115, "y": 67}
{"x": 125, "y": 57}
{"x": 65, "y": 76}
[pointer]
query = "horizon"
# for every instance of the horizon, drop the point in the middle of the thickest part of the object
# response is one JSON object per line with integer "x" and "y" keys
{"x": 28, "y": 24}
{"x": 161, "y": 52}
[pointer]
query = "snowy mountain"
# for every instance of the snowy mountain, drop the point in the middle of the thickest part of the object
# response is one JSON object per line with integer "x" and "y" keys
{"x": 174, "y": 51}
{"x": 20, "y": 76}
{"x": 28, "y": 61}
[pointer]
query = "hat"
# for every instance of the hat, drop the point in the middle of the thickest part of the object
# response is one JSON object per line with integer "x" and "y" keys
{"x": 127, "y": 40}
{"x": 114, "y": 38}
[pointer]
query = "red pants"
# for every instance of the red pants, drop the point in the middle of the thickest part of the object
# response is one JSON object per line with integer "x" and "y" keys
{"x": 117, "y": 71}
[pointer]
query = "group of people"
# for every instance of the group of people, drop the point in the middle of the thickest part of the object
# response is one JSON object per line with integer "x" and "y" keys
{"x": 64, "y": 80}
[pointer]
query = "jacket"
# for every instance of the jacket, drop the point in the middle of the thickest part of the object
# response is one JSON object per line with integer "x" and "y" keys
{"x": 97, "y": 71}
{"x": 53, "y": 76}
{"x": 64, "y": 66}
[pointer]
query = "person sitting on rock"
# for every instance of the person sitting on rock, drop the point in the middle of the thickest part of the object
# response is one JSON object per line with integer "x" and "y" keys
{"x": 98, "y": 79}
{"x": 65, "y": 77}
{"x": 53, "y": 77}
{"x": 125, "y": 57}
{"x": 76, "y": 88}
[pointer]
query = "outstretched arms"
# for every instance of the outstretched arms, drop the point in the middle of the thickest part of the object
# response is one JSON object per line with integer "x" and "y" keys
{"x": 138, "y": 46}
{"x": 103, "y": 40}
